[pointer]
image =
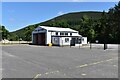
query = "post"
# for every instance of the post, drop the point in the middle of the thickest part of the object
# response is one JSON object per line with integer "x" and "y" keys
{"x": 105, "y": 41}
{"x": 105, "y": 46}
{"x": 70, "y": 43}
{"x": 79, "y": 41}
{"x": 62, "y": 43}
{"x": 90, "y": 45}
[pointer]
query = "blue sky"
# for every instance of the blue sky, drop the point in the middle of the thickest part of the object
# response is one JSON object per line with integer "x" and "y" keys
{"x": 16, "y": 15}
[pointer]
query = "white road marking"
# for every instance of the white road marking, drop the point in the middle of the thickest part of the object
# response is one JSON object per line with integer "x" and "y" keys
{"x": 83, "y": 74}
{"x": 1, "y": 69}
{"x": 115, "y": 65}
{"x": 84, "y": 65}
{"x": 38, "y": 75}
{"x": 94, "y": 63}
{"x": 46, "y": 73}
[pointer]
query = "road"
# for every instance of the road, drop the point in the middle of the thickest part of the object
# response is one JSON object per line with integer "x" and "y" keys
{"x": 29, "y": 61}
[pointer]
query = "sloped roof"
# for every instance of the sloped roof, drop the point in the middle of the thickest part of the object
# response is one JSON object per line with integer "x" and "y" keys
{"x": 58, "y": 29}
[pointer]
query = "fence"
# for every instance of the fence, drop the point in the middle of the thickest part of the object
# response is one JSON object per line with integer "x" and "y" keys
{"x": 101, "y": 46}
{"x": 15, "y": 42}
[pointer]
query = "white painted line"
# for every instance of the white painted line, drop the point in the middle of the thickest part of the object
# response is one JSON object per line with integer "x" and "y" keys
{"x": 57, "y": 71}
{"x": 46, "y": 73}
{"x": 109, "y": 59}
{"x": 115, "y": 65}
{"x": 1, "y": 69}
{"x": 94, "y": 63}
{"x": 38, "y": 75}
{"x": 83, "y": 65}
{"x": 83, "y": 74}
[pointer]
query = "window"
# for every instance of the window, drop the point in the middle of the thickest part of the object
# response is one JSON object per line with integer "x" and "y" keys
{"x": 78, "y": 40}
{"x": 56, "y": 33}
{"x": 71, "y": 34}
{"x": 55, "y": 40}
{"x": 82, "y": 39}
{"x": 66, "y": 39}
{"x": 66, "y": 34}
{"x": 61, "y": 33}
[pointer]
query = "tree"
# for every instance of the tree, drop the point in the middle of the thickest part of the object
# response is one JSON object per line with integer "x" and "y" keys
{"x": 114, "y": 23}
{"x": 28, "y": 33}
{"x": 105, "y": 28}
{"x": 5, "y": 33}
{"x": 87, "y": 28}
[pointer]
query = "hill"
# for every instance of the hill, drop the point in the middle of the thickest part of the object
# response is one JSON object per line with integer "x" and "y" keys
{"x": 67, "y": 20}
{"x": 74, "y": 17}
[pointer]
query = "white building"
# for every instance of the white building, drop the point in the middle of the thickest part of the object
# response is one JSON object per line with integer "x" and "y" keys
{"x": 44, "y": 35}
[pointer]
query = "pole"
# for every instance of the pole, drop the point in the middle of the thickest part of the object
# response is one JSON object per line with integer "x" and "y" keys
{"x": 90, "y": 45}
{"x": 62, "y": 43}
{"x": 70, "y": 43}
{"x": 105, "y": 41}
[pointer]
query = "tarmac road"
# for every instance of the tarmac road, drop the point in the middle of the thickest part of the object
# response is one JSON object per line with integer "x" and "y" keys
{"x": 29, "y": 61}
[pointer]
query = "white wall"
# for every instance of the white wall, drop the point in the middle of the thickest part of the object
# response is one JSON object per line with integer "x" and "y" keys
{"x": 62, "y": 41}
{"x": 78, "y": 44}
{"x": 48, "y": 37}
{"x": 75, "y": 34}
{"x": 53, "y": 33}
{"x": 84, "y": 40}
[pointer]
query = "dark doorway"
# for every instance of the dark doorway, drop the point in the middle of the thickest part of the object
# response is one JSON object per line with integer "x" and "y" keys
{"x": 39, "y": 39}
{"x": 35, "y": 38}
{"x": 72, "y": 43}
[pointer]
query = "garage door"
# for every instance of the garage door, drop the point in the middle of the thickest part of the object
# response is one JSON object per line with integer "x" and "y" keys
{"x": 39, "y": 38}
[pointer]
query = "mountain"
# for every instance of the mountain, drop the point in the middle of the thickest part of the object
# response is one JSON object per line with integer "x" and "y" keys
{"x": 72, "y": 19}
{"x": 75, "y": 16}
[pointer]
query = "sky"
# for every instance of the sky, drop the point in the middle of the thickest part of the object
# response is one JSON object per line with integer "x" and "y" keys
{"x": 17, "y": 15}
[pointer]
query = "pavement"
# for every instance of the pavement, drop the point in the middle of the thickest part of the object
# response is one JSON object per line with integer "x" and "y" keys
{"x": 29, "y": 61}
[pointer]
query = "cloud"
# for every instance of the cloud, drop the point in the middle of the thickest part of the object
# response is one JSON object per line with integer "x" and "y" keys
{"x": 60, "y": 13}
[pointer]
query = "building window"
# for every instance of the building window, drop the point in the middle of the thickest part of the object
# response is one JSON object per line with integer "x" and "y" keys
{"x": 55, "y": 40}
{"x": 82, "y": 39}
{"x": 66, "y": 34}
{"x": 66, "y": 39}
{"x": 56, "y": 33}
{"x": 70, "y": 34}
{"x": 61, "y": 33}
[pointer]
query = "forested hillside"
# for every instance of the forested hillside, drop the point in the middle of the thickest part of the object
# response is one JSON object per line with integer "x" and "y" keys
{"x": 70, "y": 20}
